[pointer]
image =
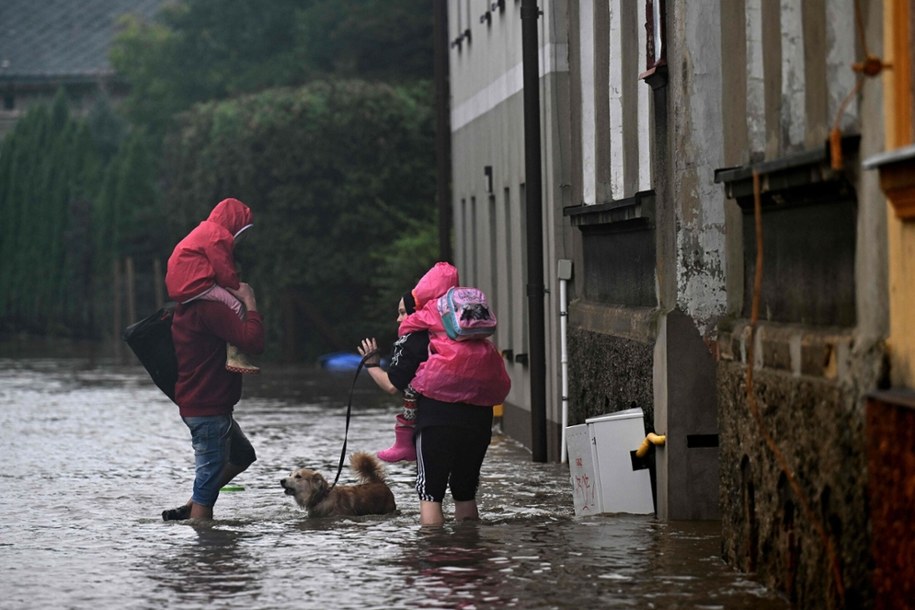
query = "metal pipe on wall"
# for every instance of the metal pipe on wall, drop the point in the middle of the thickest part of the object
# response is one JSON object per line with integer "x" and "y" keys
{"x": 564, "y": 272}
{"x": 530, "y": 13}
{"x": 442, "y": 128}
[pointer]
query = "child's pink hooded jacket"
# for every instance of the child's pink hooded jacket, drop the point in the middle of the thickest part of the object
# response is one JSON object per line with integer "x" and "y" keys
{"x": 204, "y": 258}
{"x": 471, "y": 372}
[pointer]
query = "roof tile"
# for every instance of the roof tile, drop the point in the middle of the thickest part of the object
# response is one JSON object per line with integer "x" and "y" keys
{"x": 51, "y": 39}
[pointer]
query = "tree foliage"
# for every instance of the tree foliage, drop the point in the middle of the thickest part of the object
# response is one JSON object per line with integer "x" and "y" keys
{"x": 334, "y": 172}
{"x": 201, "y": 50}
{"x": 315, "y": 112}
{"x": 59, "y": 230}
{"x": 411, "y": 254}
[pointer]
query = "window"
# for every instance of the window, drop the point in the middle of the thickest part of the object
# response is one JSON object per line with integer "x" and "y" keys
{"x": 655, "y": 26}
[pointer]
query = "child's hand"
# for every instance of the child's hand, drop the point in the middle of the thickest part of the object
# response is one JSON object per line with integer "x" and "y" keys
{"x": 369, "y": 348}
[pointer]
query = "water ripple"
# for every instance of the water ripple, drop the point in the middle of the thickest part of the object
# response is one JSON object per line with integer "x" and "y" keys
{"x": 94, "y": 453}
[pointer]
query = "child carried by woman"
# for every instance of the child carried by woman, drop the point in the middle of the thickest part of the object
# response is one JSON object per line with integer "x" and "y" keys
{"x": 457, "y": 387}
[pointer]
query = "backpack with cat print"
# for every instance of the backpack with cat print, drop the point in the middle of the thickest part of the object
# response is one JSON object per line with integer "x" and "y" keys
{"x": 466, "y": 314}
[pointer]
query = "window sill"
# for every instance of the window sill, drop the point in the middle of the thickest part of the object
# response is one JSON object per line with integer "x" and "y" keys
{"x": 806, "y": 169}
{"x": 897, "y": 179}
{"x": 638, "y": 210}
{"x": 655, "y": 76}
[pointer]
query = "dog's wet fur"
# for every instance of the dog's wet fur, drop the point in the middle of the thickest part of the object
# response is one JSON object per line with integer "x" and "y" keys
{"x": 371, "y": 496}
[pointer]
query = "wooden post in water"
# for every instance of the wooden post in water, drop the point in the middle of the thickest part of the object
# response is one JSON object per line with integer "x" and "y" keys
{"x": 116, "y": 313}
{"x": 131, "y": 291}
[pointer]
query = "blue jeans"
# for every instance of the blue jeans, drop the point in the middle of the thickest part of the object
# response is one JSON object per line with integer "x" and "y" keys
{"x": 218, "y": 440}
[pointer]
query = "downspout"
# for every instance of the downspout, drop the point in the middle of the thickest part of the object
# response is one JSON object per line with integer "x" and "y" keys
{"x": 564, "y": 271}
{"x": 533, "y": 200}
{"x": 442, "y": 127}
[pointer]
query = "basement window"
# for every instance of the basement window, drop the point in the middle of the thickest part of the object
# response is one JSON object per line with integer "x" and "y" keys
{"x": 809, "y": 218}
{"x": 618, "y": 244}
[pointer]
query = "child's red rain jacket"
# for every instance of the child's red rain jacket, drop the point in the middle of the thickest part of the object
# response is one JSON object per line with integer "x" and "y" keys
{"x": 471, "y": 372}
{"x": 204, "y": 258}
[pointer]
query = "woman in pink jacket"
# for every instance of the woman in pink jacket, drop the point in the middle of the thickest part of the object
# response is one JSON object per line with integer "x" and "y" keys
{"x": 202, "y": 266}
{"x": 457, "y": 387}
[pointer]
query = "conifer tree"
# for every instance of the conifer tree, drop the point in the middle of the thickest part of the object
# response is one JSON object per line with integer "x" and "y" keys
{"x": 28, "y": 205}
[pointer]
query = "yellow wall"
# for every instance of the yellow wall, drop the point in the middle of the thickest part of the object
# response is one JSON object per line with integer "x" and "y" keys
{"x": 901, "y": 233}
{"x": 902, "y": 300}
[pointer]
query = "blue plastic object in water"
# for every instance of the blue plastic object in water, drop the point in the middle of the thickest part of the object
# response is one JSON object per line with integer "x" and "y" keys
{"x": 340, "y": 361}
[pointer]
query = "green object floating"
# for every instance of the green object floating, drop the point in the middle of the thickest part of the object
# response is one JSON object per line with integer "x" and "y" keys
{"x": 233, "y": 488}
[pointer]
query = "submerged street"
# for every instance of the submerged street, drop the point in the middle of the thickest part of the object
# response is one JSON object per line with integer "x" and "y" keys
{"x": 94, "y": 453}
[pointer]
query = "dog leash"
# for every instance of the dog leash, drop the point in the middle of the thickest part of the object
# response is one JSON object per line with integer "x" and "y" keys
{"x": 349, "y": 409}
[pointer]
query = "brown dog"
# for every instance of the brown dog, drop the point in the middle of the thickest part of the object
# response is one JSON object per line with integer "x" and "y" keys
{"x": 371, "y": 496}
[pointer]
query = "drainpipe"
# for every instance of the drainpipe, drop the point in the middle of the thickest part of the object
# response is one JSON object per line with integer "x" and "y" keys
{"x": 442, "y": 128}
{"x": 535, "y": 288}
{"x": 564, "y": 271}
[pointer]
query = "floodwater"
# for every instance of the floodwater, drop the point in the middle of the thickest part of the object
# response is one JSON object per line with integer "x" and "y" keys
{"x": 93, "y": 454}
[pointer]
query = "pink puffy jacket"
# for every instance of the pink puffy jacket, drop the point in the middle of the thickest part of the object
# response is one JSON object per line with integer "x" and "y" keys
{"x": 457, "y": 371}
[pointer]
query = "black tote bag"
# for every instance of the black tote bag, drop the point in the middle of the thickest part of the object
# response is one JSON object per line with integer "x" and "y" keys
{"x": 151, "y": 340}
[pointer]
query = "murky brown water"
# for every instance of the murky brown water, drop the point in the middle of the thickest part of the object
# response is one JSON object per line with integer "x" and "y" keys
{"x": 91, "y": 456}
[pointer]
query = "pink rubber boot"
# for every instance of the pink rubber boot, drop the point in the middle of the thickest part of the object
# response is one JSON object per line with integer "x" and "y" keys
{"x": 403, "y": 449}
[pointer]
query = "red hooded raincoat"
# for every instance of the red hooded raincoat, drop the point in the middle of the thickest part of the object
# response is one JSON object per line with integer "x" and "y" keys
{"x": 204, "y": 258}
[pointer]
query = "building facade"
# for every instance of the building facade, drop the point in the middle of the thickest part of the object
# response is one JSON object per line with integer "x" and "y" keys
{"x": 890, "y": 409}
{"x": 488, "y": 185}
{"x": 718, "y": 175}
